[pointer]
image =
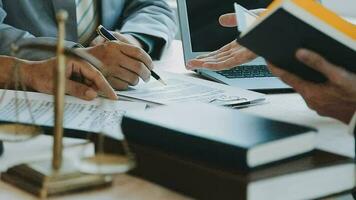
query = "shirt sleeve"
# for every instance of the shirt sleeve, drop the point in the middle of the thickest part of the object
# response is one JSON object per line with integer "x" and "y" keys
{"x": 11, "y": 35}
{"x": 152, "y": 22}
{"x": 149, "y": 42}
{"x": 352, "y": 128}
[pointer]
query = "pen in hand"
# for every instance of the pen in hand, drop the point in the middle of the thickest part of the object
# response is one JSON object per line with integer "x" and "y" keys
{"x": 103, "y": 32}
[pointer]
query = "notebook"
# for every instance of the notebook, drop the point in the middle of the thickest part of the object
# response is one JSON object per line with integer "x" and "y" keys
{"x": 314, "y": 175}
{"x": 217, "y": 135}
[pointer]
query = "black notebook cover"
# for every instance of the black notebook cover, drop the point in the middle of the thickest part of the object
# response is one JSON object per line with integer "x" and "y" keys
{"x": 208, "y": 181}
{"x": 280, "y": 35}
{"x": 1, "y": 148}
{"x": 206, "y": 132}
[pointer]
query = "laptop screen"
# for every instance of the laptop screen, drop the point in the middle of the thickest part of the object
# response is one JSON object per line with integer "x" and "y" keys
{"x": 205, "y": 31}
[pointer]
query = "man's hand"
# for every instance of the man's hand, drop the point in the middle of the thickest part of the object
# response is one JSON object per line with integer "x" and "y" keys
{"x": 126, "y": 38}
{"x": 336, "y": 98}
{"x": 39, "y": 76}
{"x": 123, "y": 63}
{"x": 228, "y": 56}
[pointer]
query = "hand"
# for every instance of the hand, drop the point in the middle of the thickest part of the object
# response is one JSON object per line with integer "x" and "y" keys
{"x": 123, "y": 63}
{"x": 228, "y": 56}
{"x": 336, "y": 98}
{"x": 229, "y": 19}
{"x": 39, "y": 76}
{"x": 126, "y": 38}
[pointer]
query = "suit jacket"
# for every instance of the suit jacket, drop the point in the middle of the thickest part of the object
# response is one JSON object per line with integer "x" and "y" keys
{"x": 22, "y": 21}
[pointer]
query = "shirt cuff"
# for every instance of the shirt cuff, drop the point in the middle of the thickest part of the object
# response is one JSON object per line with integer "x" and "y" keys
{"x": 352, "y": 125}
{"x": 147, "y": 41}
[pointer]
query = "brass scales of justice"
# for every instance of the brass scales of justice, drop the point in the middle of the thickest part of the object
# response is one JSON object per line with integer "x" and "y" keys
{"x": 57, "y": 176}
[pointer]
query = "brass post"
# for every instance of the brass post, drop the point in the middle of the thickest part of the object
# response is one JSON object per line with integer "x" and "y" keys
{"x": 59, "y": 92}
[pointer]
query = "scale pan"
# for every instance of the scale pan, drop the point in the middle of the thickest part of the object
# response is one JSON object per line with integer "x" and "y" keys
{"x": 18, "y": 132}
{"x": 106, "y": 164}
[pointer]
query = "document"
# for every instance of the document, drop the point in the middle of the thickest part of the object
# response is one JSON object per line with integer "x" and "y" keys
{"x": 182, "y": 88}
{"x": 97, "y": 116}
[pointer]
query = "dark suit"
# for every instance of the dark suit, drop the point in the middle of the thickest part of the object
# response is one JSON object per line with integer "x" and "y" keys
{"x": 150, "y": 21}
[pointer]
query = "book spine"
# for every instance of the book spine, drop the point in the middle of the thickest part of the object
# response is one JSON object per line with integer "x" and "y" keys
{"x": 186, "y": 177}
{"x": 183, "y": 144}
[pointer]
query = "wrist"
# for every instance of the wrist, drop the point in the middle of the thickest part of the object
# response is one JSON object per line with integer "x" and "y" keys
{"x": 7, "y": 75}
{"x": 133, "y": 40}
{"x": 26, "y": 70}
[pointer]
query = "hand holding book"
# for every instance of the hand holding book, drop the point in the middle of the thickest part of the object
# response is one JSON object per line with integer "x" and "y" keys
{"x": 336, "y": 98}
{"x": 278, "y": 36}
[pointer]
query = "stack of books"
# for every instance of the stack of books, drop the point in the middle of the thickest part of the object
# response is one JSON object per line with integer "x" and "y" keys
{"x": 210, "y": 152}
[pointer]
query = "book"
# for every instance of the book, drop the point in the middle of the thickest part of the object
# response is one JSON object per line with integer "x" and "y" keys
{"x": 310, "y": 176}
{"x": 217, "y": 134}
{"x": 289, "y": 25}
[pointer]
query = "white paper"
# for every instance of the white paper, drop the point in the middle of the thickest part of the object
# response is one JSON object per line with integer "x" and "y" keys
{"x": 97, "y": 116}
{"x": 182, "y": 88}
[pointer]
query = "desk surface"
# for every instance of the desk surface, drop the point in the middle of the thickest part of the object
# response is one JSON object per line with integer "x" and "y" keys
{"x": 333, "y": 136}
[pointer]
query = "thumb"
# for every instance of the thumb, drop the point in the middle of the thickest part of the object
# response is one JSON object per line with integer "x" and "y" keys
{"x": 228, "y": 20}
{"x": 80, "y": 90}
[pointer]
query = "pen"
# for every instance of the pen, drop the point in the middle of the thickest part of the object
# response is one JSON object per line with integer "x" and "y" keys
{"x": 103, "y": 32}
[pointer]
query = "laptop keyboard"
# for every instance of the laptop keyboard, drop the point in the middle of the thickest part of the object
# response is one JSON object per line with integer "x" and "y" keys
{"x": 246, "y": 71}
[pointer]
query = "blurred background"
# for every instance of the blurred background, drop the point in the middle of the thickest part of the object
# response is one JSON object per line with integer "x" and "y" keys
{"x": 343, "y": 7}
{"x": 346, "y": 8}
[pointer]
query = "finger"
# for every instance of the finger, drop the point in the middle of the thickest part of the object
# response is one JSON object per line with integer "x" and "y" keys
{"x": 244, "y": 55}
{"x": 218, "y": 58}
{"x": 195, "y": 64}
{"x": 225, "y": 48}
{"x": 207, "y": 55}
{"x": 80, "y": 90}
{"x": 315, "y": 61}
{"x": 219, "y": 55}
{"x": 137, "y": 54}
{"x": 222, "y": 65}
{"x": 228, "y": 20}
{"x": 117, "y": 83}
{"x": 198, "y": 63}
{"x": 240, "y": 57}
{"x": 275, "y": 70}
{"x": 294, "y": 81}
{"x": 136, "y": 67}
{"x": 120, "y": 37}
{"x": 224, "y": 54}
{"x": 125, "y": 75}
{"x": 94, "y": 76}
{"x": 98, "y": 40}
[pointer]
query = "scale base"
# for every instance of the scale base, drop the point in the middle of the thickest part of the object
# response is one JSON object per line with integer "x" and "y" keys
{"x": 41, "y": 180}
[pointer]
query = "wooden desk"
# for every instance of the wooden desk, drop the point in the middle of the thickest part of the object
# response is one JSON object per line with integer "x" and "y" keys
{"x": 287, "y": 107}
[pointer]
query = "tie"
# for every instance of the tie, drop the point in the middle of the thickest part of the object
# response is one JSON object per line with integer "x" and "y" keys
{"x": 87, "y": 19}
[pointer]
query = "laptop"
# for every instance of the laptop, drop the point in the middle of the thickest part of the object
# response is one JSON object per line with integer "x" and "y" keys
{"x": 202, "y": 33}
